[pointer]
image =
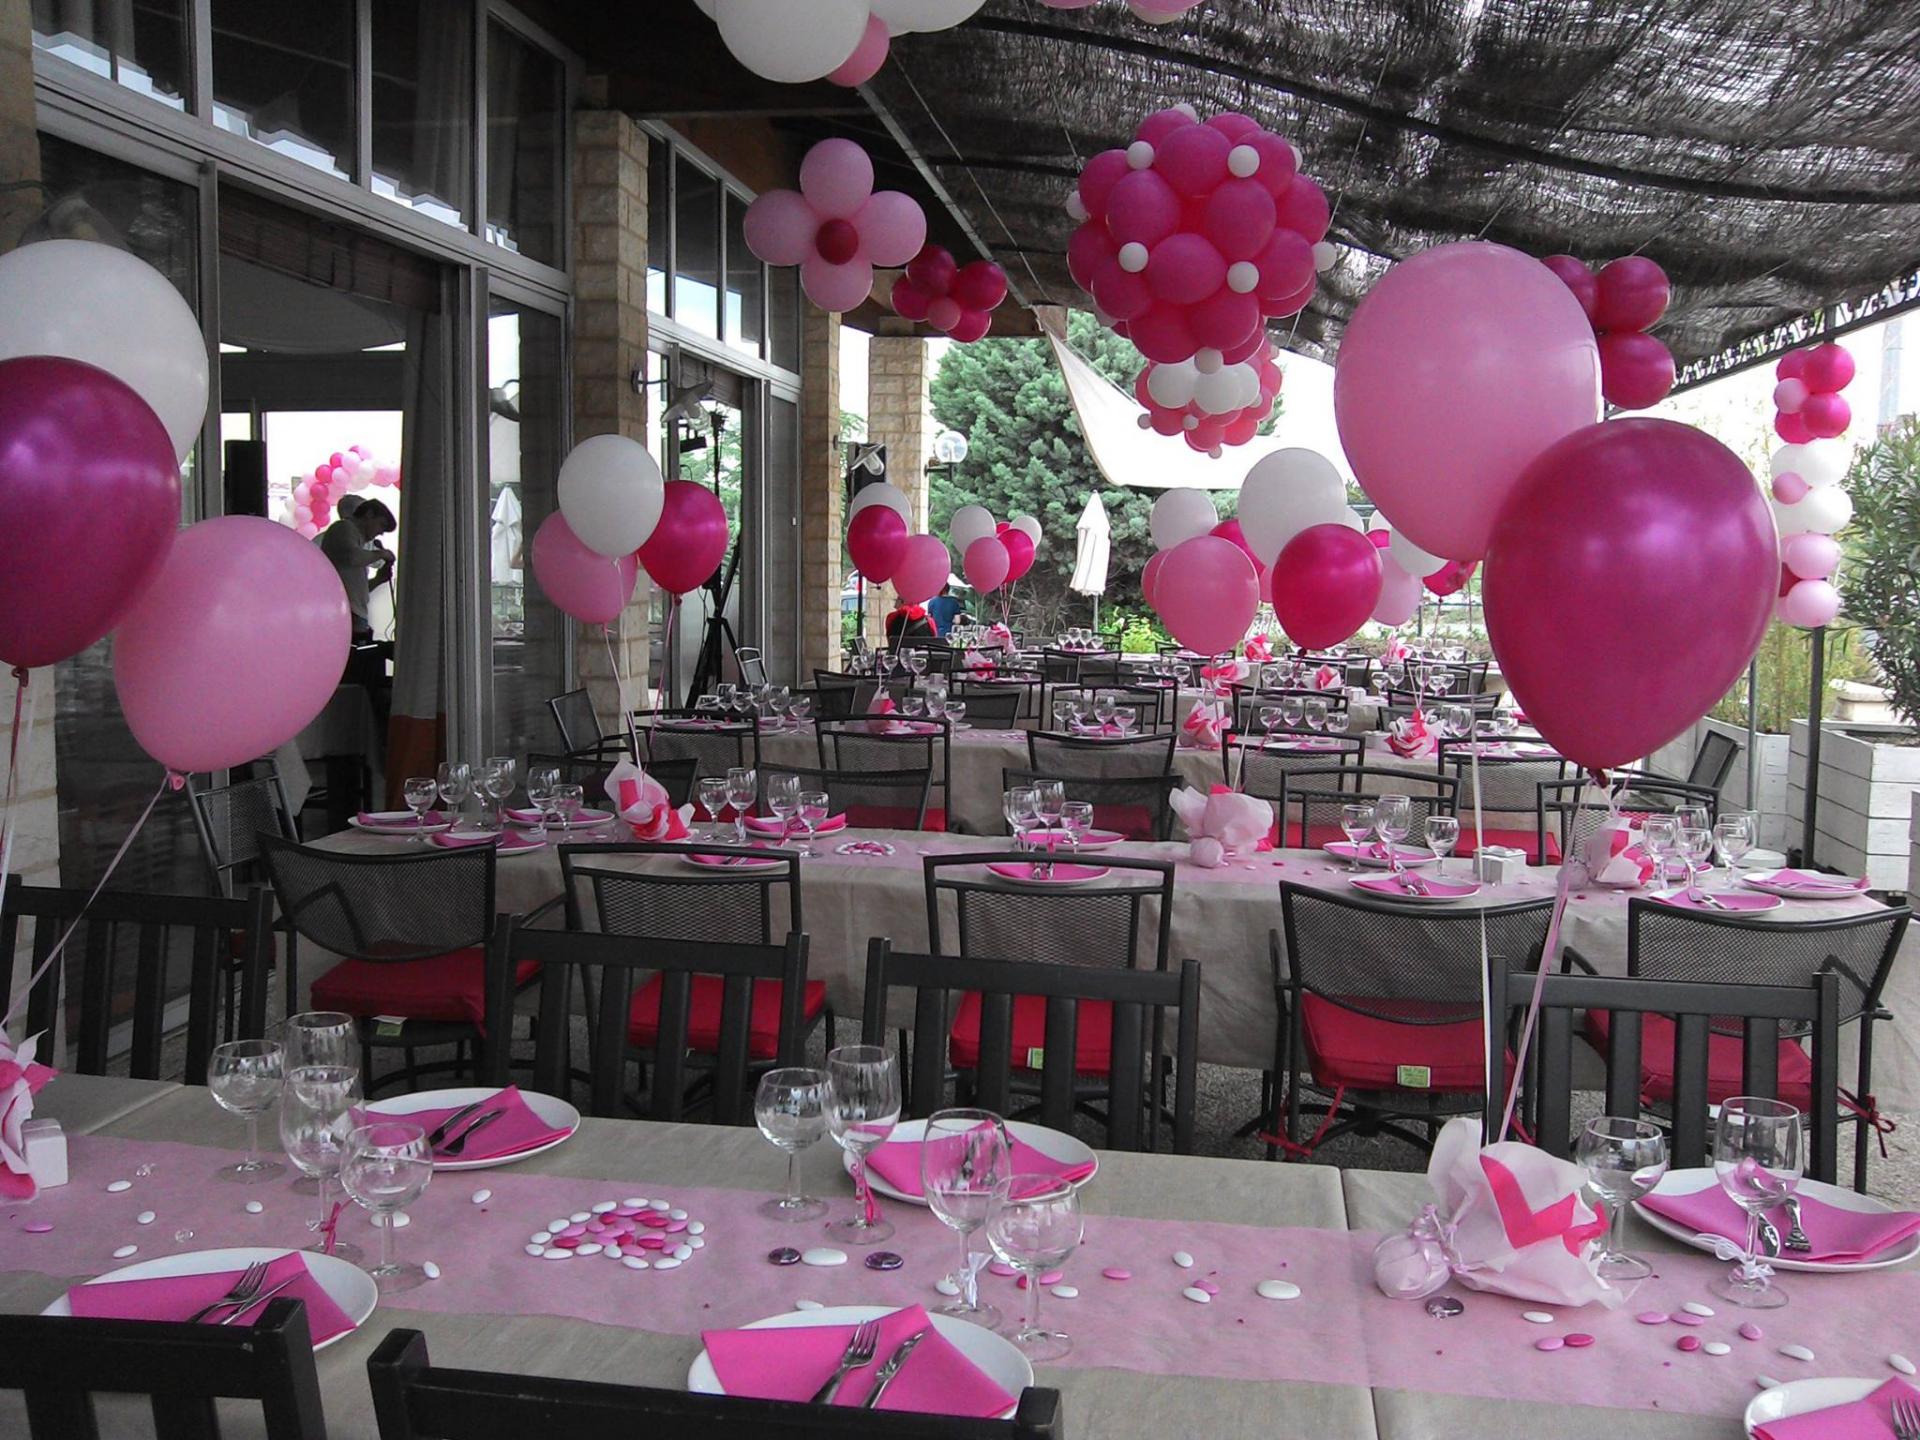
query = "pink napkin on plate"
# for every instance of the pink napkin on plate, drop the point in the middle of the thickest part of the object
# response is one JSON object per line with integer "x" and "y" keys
{"x": 580, "y": 817}
{"x": 1813, "y": 882}
{"x": 768, "y": 825}
{"x": 792, "y": 1363}
{"x": 1059, "y": 872}
{"x": 1728, "y": 900}
{"x": 517, "y": 1130}
{"x": 898, "y": 1163}
{"x": 506, "y": 841}
{"x": 1406, "y": 854}
{"x": 1057, "y": 839}
{"x": 1868, "y": 1419}
{"x": 1390, "y": 887}
{"x": 175, "y": 1297}
{"x": 398, "y": 819}
{"x": 1836, "y": 1234}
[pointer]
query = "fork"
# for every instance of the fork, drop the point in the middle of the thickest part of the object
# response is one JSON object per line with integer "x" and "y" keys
{"x": 1796, "y": 1237}
{"x": 1906, "y": 1420}
{"x": 453, "y": 1147}
{"x": 244, "y": 1289}
{"x": 860, "y": 1347}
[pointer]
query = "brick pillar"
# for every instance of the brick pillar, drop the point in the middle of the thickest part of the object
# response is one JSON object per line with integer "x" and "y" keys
{"x": 900, "y": 414}
{"x": 822, "y": 492}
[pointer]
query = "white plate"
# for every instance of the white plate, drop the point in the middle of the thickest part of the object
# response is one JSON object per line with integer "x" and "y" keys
{"x": 348, "y": 1286}
{"x": 1407, "y": 855}
{"x": 1003, "y": 1364}
{"x": 1414, "y": 897}
{"x": 358, "y": 824}
{"x": 1051, "y": 1143}
{"x": 551, "y": 1109}
{"x": 747, "y": 864}
{"x": 1686, "y": 1182}
{"x": 1800, "y": 1397}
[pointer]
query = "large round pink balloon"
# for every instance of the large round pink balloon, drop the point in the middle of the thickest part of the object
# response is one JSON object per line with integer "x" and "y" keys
{"x": 1207, "y": 593}
{"x": 1325, "y": 585}
{"x": 923, "y": 569}
{"x": 876, "y": 539}
{"x": 89, "y": 501}
{"x": 1399, "y": 593}
{"x": 234, "y": 648}
{"x": 1462, "y": 364}
{"x": 1020, "y": 552}
{"x": 1608, "y": 536}
{"x": 583, "y": 583}
{"x": 985, "y": 564}
{"x": 690, "y": 541}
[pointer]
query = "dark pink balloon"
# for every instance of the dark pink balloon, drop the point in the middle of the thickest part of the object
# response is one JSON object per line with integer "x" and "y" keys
{"x": 690, "y": 541}
{"x": 1090, "y": 248}
{"x": 1609, "y": 534}
{"x": 1380, "y": 538}
{"x": 1239, "y": 219}
{"x": 1019, "y": 548}
{"x": 933, "y": 269}
{"x": 1304, "y": 208}
{"x": 1325, "y": 585}
{"x": 1254, "y": 344}
{"x": 1579, "y": 279}
{"x": 1235, "y": 126}
{"x": 1162, "y": 123}
{"x": 910, "y": 302}
{"x": 1829, "y": 367}
{"x": 980, "y": 286}
{"x": 1150, "y": 576}
{"x": 89, "y": 502}
{"x": 1451, "y": 577}
{"x": 1161, "y": 333}
{"x": 1143, "y": 207}
{"x": 1103, "y": 172}
{"x": 1123, "y": 294}
{"x": 1277, "y": 169}
{"x": 944, "y": 313}
{"x": 1230, "y": 531}
{"x": 1193, "y": 159}
{"x": 1185, "y": 267}
{"x": 985, "y": 564}
{"x": 1826, "y": 415}
{"x": 1226, "y": 320}
{"x": 1792, "y": 366}
{"x": 1633, "y": 294}
{"x": 1636, "y": 370}
{"x": 971, "y": 326}
{"x": 1792, "y": 428}
{"x": 876, "y": 539}
{"x": 591, "y": 587}
{"x": 1285, "y": 264}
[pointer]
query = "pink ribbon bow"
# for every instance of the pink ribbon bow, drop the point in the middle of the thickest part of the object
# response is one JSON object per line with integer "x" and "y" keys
{"x": 1526, "y": 1226}
{"x": 1219, "y": 678}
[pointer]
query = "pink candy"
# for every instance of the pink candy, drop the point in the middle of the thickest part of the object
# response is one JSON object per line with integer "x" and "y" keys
{"x": 1578, "y": 1341}
{"x": 655, "y": 1220}
{"x": 1750, "y": 1331}
{"x": 651, "y": 1242}
{"x": 624, "y": 1211}
{"x": 1688, "y": 1343}
{"x": 1682, "y": 1317}
{"x": 1114, "y": 1272}
{"x": 38, "y": 1227}
{"x": 1206, "y": 1285}
{"x": 1000, "y": 1267}
{"x": 1552, "y": 1342}
{"x": 1053, "y": 1277}
{"x": 676, "y": 1227}
{"x": 1652, "y": 1317}
{"x": 573, "y": 1231}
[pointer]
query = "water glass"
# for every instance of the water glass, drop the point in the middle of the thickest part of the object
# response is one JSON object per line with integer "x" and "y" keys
{"x": 1356, "y": 823}
{"x": 1692, "y": 817}
{"x": 741, "y": 790}
{"x": 799, "y": 710}
{"x": 965, "y": 1157}
{"x": 387, "y": 1166}
{"x": 1759, "y": 1152}
{"x": 1017, "y": 805}
{"x": 1392, "y": 822}
{"x": 1292, "y": 712}
{"x": 1660, "y": 838}
{"x": 495, "y": 780}
{"x": 713, "y": 800}
{"x": 420, "y": 792}
{"x": 722, "y": 697}
{"x": 1696, "y": 850}
{"x": 790, "y": 1107}
{"x": 783, "y": 799}
{"x": 956, "y": 712}
{"x": 1443, "y": 833}
{"x": 1049, "y": 798}
{"x": 1732, "y": 838}
{"x": 317, "y": 1107}
{"x": 1316, "y": 714}
{"x": 1103, "y": 707}
{"x": 244, "y": 1077}
{"x": 813, "y": 809}
{"x": 1076, "y": 818}
{"x": 1338, "y": 720}
{"x": 319, "y": 1037}
{"x": 1624, "y": 1159}
{"x": 1034, "y": 1224}
{"x": 1062, "y": 714}
{"x": 567, "y": 800}
{"x": 916, "y": 659}
{"x": 913, "y": 706}
{"x": 863, "y": 1106}
{"x": 454, "y": 779}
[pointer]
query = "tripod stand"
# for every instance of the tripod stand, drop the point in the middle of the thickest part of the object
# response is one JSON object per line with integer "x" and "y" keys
{"x": 719, "y": 640}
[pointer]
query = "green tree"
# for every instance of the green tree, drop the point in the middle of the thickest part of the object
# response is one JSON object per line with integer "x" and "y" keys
{"x": 1880, "y": 578}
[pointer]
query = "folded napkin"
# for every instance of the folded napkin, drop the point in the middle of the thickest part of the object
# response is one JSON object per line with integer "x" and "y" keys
{"x": 979, "y": 665}
{"x": 1060, "y": 872}
{"x": 21, "y": 1078}
{"x": 792, "y": 1363}
{"x": 175, "y": 1297}
{"x": 1868, "y": 1419}
{"x": 1396, "y": 887}
{"x": 1201, "y": 729}
{"x": 399, "y": 819}
{"x": 1259, "y": 649}
{"x": 642, "y": 802}
{"x": 768, "y": 825}
{"x": 517, "y": 1130}
{"x": 584, "y": 816}
{"x": 1836, "y": 1234}
{"x": 1814, "y": 882}
{"x": 1057, "y": 839}
{"x": 1395, "y": 649}
{"x": 1409, "y": 738}
{"x": 1326, "y": 678}
{"x": 1374, "y": 850}
{"x": 506, "y": 841}
{"x": 898, "y": 1163}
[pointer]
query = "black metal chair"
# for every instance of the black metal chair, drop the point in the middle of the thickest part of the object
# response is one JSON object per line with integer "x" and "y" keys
{"x": 214, "y": 929}
{"x": 1380, "y": 1008}
{"x": 1254, "y": 762}
{"x": 411, "y": 928}
{"x": 1510, "y": 787}
{"x": 1150, "y": 706}
{"x": 61, "y": 1362}
{"x": 867, "y": 747}
{"x": 413, "y": 1399}
{"x": 578, "y": 724}
{"x": 1692, "y": 1009}
{"x": 1560, "y": 810}
{"x": 1117, "y": 758}
{"x": 1134, "y": 1010}
{"x": 1250, "y": 700}
{"x": 871, "y": 800}
{"x": 1712, "y": 763}
{"x": 834, "y": 694}
{"x": 607, "y": 968}
{"x": 991, "y": 707}
{"x": 1318, "y": 793}
{"x": 715, "y": 748}
{"x": 229, "y": 819}
{"x": 1140, "y": 807}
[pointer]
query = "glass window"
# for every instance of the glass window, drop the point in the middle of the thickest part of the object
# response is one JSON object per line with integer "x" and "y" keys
{"x": 525, "y": 132}
{"x": 659, "y": 223}
{"x": 423, "y": 105}
{"x": 783, "y": 316}
{"x": 780, "y": 554}
{"x": 283, "y": 75}
{"x": 746, "y": 326}
{"x": 696, "y": 249}
{"x": 142, "y": 46}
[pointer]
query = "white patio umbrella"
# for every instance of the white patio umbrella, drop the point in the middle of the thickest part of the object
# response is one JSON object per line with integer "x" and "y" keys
{"x": 506, "y": 538}
{"x": 1092, "y": 551}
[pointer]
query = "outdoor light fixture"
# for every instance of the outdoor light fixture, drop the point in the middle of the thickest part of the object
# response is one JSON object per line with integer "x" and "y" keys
{"x": 950, "y": 448}
{"x": 870, "y": 458}
{"x": 685, "y": 406}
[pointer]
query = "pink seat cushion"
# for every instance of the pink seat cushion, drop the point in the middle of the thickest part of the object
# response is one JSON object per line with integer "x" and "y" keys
{"x": 1725, "y": 1065}
{"x": 1364, "y": 1052}
{"x": 450, "y": 987}
{"x": 1093, "y": 1036}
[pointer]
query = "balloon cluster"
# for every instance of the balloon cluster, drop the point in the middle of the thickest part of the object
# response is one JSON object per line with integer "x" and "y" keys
{"x": 1154, "y": 12}
{"x": 1622, "y": 302}
{"x": 845, "y": 41}
{"x": 311, "y": 505}
{"x": 1809, "y": 503}
{"x": 835, "y": 227}
{"x": 955, "y": 299}
{"x": 1195, "y": 235}
{"x": 992, "y": 553}
{"x": 1212, "y": 408}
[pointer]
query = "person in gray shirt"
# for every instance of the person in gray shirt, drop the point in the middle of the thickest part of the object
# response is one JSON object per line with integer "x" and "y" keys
{"x": 352, "y": 544}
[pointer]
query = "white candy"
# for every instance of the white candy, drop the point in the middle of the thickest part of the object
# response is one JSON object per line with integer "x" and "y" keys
{"x": 592, "y": 1247}
{"x": 541, "y": 1237}
{"x": 1183, "y": 1259}
{"x": 117, "y": 1186}
{"x": 808, "y": 1305}
{"x": 429, "y": 1269}
{"x": 124, "y": 1251}
{"x": 656, "y": 1205}
{"x": 696, "y": 1227}
{"x": 1766, "y": 1382}
{"x": 683, "y": 1252}
{"x": 946, "y": 1287}
{"x": 1901, "y": 1363}
{"x": 480, "y": 1197}
{"x": 823, "y": 1256}
{"x": 1538, "y": 1317}
{"x": 634, "y": 1202}
{"x": 558, "y": 1225}
{"x": 634, "y": 1262}
{"x": 555, "y": 1252}
{"x": 1796, "y": 1352}
{"x": 676, "y": 1214}
{"x": 604, "y": 1206}
{"x": 579, "y": 1217}
{"x": 145, "y": 1217}
{"x": 1277, "y": 1290}
{"x": 1197, "y": 1295}
{"x": 1694, "y": 1307}
{"x": 1717, "y": 1347}
{"x": 254, "y": 1207}
{"x": 698, "y": 1242}
{"x": 612, "y": 1252}
{"x": 536, "y": 1250}
{"x": 667, "y": 1262}
{"x": 1064, "y": 1292}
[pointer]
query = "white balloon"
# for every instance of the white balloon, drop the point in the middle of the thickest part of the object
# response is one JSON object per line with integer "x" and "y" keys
{"x": 1412, "y": 559}
{"x": 1818, "y": 462}
{"x": 1172, "y": 385}
{"x": 788, "y": 42}
{"x": 969, "y": 523}
{"x": 885, "y": 493}
{"x": 1029, "y": 527}
{"x": 91, "y": 302}
{"x": 905, "y": 16}
{"x": 1351, "y": 519}
{"x": 1377, "y": 522}
{"x": 1819, "y": 512}
{"x": 1180, "y": 515}
{"x": 1285, "y": 493}
{"x": 611, "y": 493}
{"x": 1218, "y": 393}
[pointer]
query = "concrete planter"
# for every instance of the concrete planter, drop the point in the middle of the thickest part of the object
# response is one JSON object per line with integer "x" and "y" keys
{"x": 1769, "y": 798}
{"x": 1867, "y": 783}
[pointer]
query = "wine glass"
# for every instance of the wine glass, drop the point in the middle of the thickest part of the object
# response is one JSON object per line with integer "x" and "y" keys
{"x": 540, "y": 783}
{"x": 913, "y": 706}
{"x": 1692, "y": 817}
{"x": 863, "y": 1106}
{"x": 244, "y": 1077}
{"x": 316, "y": 1114}
{"x": 713, "y": 800}
{"x": 1292, "y": 712}
{"x": 454, "y": 779}
{"x": 1392, "y": 820}
{"x": 813, "y": 809}
{"x": 1062, "y": 713}
{"x": 965, "y": 1157}
{"x": 783, "y": 799}
{"x": 1269, "y": 722}
{"x": 387, "y": 1166}
{"x": 799, "y": 710}
{"x": 1732, "y": 838}
{"x": 420, "y": 792}
{"x": 956, "y": 712}
{"x": 1034, "y": 1224}
{"x": 1659, "y": 837}
{"x": 1624, "y": 1158}
{"x": 1696, "y": 846}
{"x": 1017, "y": 805}
{"x": 1356, "y": 823}
{"x": 790, "y": 1107}
{"x": 495, "y": 782}
{"x": 318, "y": 1037}
{"x": 567, "y": 800}
{"x": 1103, "y": 708}
{"x": 1759, "y": 1151}
{"x": 1049, "y": 796}
{"x": 1443, "y": 833}
{"x": 723, "y": 698}
{"x": 916, "y": 659}
{"x": 708, "y": 708}
{"x": 1316, "y": 714}
{"x": 740, "y": 792}
{"x": 1076, "y": 818}
{"x": 1125, "y": 717}
{"x": 1338, "y": 720}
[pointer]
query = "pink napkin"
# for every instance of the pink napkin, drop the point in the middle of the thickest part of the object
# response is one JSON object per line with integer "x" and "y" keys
{"x": 175, "y": 1297}
{"x": 767, "y": 825}
{"x": 1868, "y": 1419}
{"x": 1058, "y": 872}
{"x": 732, "y": 862}
{"x": 898, "y": 1163}
{"x": 1390, "y": 887}
{"x": 1813, "y": 882}
{"x": 1729, "y": 900}
{"x": 1406, "y": 854}
{"x": 519, "y": 1129}
{"x": 580, "y": 817}
{"x": 792, "y": 1364}
{"x": 506, "y": 841}
{"x": 1057, "y": 839}
{"x": 1836, "y": 1234}
{"x": 398, "y": 819}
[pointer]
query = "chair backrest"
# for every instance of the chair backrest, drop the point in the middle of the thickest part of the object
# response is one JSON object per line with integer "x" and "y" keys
{"x": 598, "y": 974}
{"x": 396, "y": 905}
{"x": 1250, "y": 700}
{"x": 834, "y": 694}
{"x": 1765, "y": 1012}
{"x": 1508, "y": 784}
{"x": 230, "y": 817}
{"x": 576, "y": 720}
{"x": 991, "y": 707}
{"x": 866, "y": 747}
{"x": 215, "y": 930}
{"x": 753, "y": 667}
{"x": 670, "y": 898}
{"x": 1256, "y": 763}
{"x": 1400, "y": 703}
{"x": 413, "y": 1399}
{"x": 1310, "y": 799}
{"x": 869, "y": 687}
{"x": 714, "y": 748}
{"x": 1123, "y": 924}
{"x": 1713, "y": 761}
{"x": 590, "y": 773}
{"x": 1139, "y": 807}
{"x": 1097, "y": 758}
{"x": 62, "y": 1362}
{"x": 871, "y": 800}
{"x": 1559, "y": 806}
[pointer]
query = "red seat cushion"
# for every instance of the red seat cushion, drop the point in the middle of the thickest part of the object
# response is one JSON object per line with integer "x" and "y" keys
{"x": 451, "y": 987}
{"x": 1093, "y": 1037}
{"x": 894, "y": 817}
{"x": 703, "y": 1015}
{"x": 1527, "y": 840}
{"x": 1133, "y": 821}
{"x": 1364, "y": 1052}
{"x": 1724, "y": 1061}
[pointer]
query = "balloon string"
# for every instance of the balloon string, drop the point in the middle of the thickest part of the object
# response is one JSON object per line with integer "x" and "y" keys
{"x": 170, "y": 781}
{"x": 17, "y": 745}
{"x": 620, "y": 692}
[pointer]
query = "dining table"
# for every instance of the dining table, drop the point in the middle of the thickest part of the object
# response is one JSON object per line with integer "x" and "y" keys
{"x": 1336, "y": 1361}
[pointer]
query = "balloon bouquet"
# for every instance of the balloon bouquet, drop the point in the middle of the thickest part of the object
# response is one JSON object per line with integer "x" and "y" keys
{"x": 1809, "y": 503}
{"x": 311, "y": 505}
{"x": 845, "y": 41}
{"x": 994, "y": 553}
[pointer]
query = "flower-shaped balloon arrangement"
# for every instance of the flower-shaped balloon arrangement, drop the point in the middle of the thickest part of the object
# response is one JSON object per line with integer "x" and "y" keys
{"x": 1809, "y": 503}
{"x": 835, "y": 227}
{"x": 1622, "y": 302}
{"x": 845, "y": 41}
{"x": 957, "y": 300}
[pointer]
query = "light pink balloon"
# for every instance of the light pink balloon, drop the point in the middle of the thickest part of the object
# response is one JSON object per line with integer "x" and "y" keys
{"x": 1207, "y": 593}
{"x": 1810, "y": 603}
{"x": 1810, "y": 556}
{"x": 986, "y": 564}
{"x": 1150, "y": 578}
{"x": 1399, "y": 593}
{"x": 307, "y": 531}
{"x": 836, "y": 177}
{"x": 1789, "y": 396}
{"x": 302, "y": 493}
{"x": 239, "y": 596}
{"x": 302, "y": 514}
{"x": 1456, "y": 371}
{"x": 583, "y": 583}
{"x": 836, "y": 287}
{"x": 780, "y": 227}
{"x": 339, "y": 479}
{"x": 1789, "y": 489}
{"x": 867, "y": 58}
{"x": 892, "y": 227}
{"x": 923, "y": 569}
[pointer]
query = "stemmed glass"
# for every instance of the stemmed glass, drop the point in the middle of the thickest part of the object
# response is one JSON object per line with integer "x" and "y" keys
{"x": 244, "y": 1077}
{"x": 1017, "y": 805}
{"x": 799, "y": 710}
{"x": 723, "y": 699}
{"x": 454, "y": 779}
{"x": 1062, "y": 714}
{"x": 1692, "y": 816}
{"x": 1269, "y": 722}
{"x": 1443, "y": 833}
{"x": 1338, "y": 720}
{"x": 540, "y": 783}
{"x": 709, "y": 708}
{"x": 913, "y": 706}
{"x": 965, "y": 1157}
{"x": 863, "y": 1106}
{"x": 387, "y": 1167}
{"x": 783, "y": 799}
{"x": 1660, "y": 837}
{"x": 1076, "y": 818}
{"x": 1392, "y": 820}
{"x": 1035, "y": 1225}
{"x": 740, "y": 793}
{"x": 1103, "y": 708}
{"x": 956, "y": 712}
{"x": 813, "y": 809}
{"x": 318, "y": 1037}
{"x": 790, "y": 1107}
{"x": 1624, "y": 1158}
{"x": 316, "y": 1115}
{"x": 1356, "y": 823}
{"x": 1049, "y": 802}
{"x": 1292, "y": 712}
{"x": 713, "y": 800}
{"x": 420, "y": 792}
{"x": 1316, "y": 714}
{"x": 1732, "y": 838}
{"x": 1759, "y": 1151}
{"x": 916, "y": 661}
{"x": 1696, "y": 846}
{"x": 496, "y": 784}
{"x": 567, "y": 800}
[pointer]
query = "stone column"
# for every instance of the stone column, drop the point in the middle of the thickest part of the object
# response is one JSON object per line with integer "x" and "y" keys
{"x": 900, "y": 416}
{"x": 822, "y": 492}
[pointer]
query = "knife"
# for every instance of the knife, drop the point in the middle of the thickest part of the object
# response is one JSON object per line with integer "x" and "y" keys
{"x": 439, "y": 1132}
{"x": 459, "y": 1143}
{"x": 260, "y": 1300}
{"x": 887, "y": 1371}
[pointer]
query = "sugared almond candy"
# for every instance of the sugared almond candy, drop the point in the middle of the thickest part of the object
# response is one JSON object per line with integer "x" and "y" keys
{"x": 634, "y": 1262}
{"x": 579, "y": 1217}
{"x": 1652, "y": 1317}
{"x": 1197, "y": 1295}
{"x": 1901, "y": 1363}
{"x": 1538, "y": 1317}
{"x": 1183, "y": 1259}
{"x": 119, "y": 1185}
{"x": 145, "y": 1217}
{"x": 604, "y": 1206}
{"x": 556, "y": 1252}
{"x": 1277, "y": 1290}
{"x": 1549, "y": 1342}
{"x": 1766, "y": 1382}
{"x": 667, "y": 1262}
{"x": 429, "y": 1269}
{"x": 1064, "y": 1292}
{"x": 254, "y": 1207}
{"x": 124, "y": 1251}
{"x": 1579, "y": 1341}
{"x": 808, "y": 1305}
{"x": 946, "y": 1287}
{"x": 1694, "y": 1307}
{"x": 1114, "y": 1272}
{"x": 1717, "y": 1347}
{"x": 481, "y": 1196}
{"x": 1796, "y": 1352}
{"x": 1750, "y": 1331}
{"x": 536, "y": 1250}
{"x": 1688, "y": 1343}
{"x": 1686, "y": 1317}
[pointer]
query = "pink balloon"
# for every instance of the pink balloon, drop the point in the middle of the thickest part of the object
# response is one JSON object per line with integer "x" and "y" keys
{"x": 892, "y": 227}
{"x": 690, "y": 541}
{"x": 1792, "y": 366}
{"x": 1578, "y": 278}
{"x": 867, "y": 57}
{"x": 339, "y": 479}
{"x": 1232, "y": 124}
{"x": 1460, "y": 366}
{"x": 1826, "y": 415}
{"x": 780, "y": 227}
{"x": 972, "y": 325}
{"x": 337, "y": 461}
{"x": 1266, "y": 584}
{"x": 1451, "y": 577}
{"x": 1636, "y": 371}
{"x": 980, "y": 286}
{"x": 1792, "y": 428}
{"x": 944, "y": 313}
{"x": 1277, "y": 169}
{"x": 1225, "y": 320}
{"x": 1789, "y": 488}
{"x": 1020, "y": 551}
{"x": 1608, "y": 535}
{"x": 1285, "y": 263}
{"x": 1096, "y": 184}
{"x": 985, "y": 564}
{"x": 1828, "y": 367}
{"x": 1325, "y": 585}
{"x": 1810, "y": 556}
{"x": 307, "y": 531}
{"x": 237, "y": 596}
{"x": 1633, "y": 293}
{"x": 876, "y": 539}
{"x": 583, "y": 583}
{"x": 1185, "y": 267}
{"x": 933, "y": 270}
{"x": 924, "y": 567}
{"x": 302, "y": 515}
{"x": 1193, "y": 159}
{"x": 89, "y": 502}
{"x": 1162, "y": 123}
{"x": 302, "y": 493}
{"x": 1789, "y": 396}
{"x": 1207, "y": 593}
{"x": 1809, "y": 604}
{"x": 836, "y": 287}
{"x": 1230, "y": 531}
{"x": 1123, "y": 294}
{"x": 1161, "y": 333}
{"x": 1143, "y": 207}
{"x": 1239, "y": 218}
{"x": 836, "y": 176}
{"x": 1399, "y": 594}
{"x": 1303, "y": 207}
{"x": 1150, "y": 578}
{"x": 322, "y": 473}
